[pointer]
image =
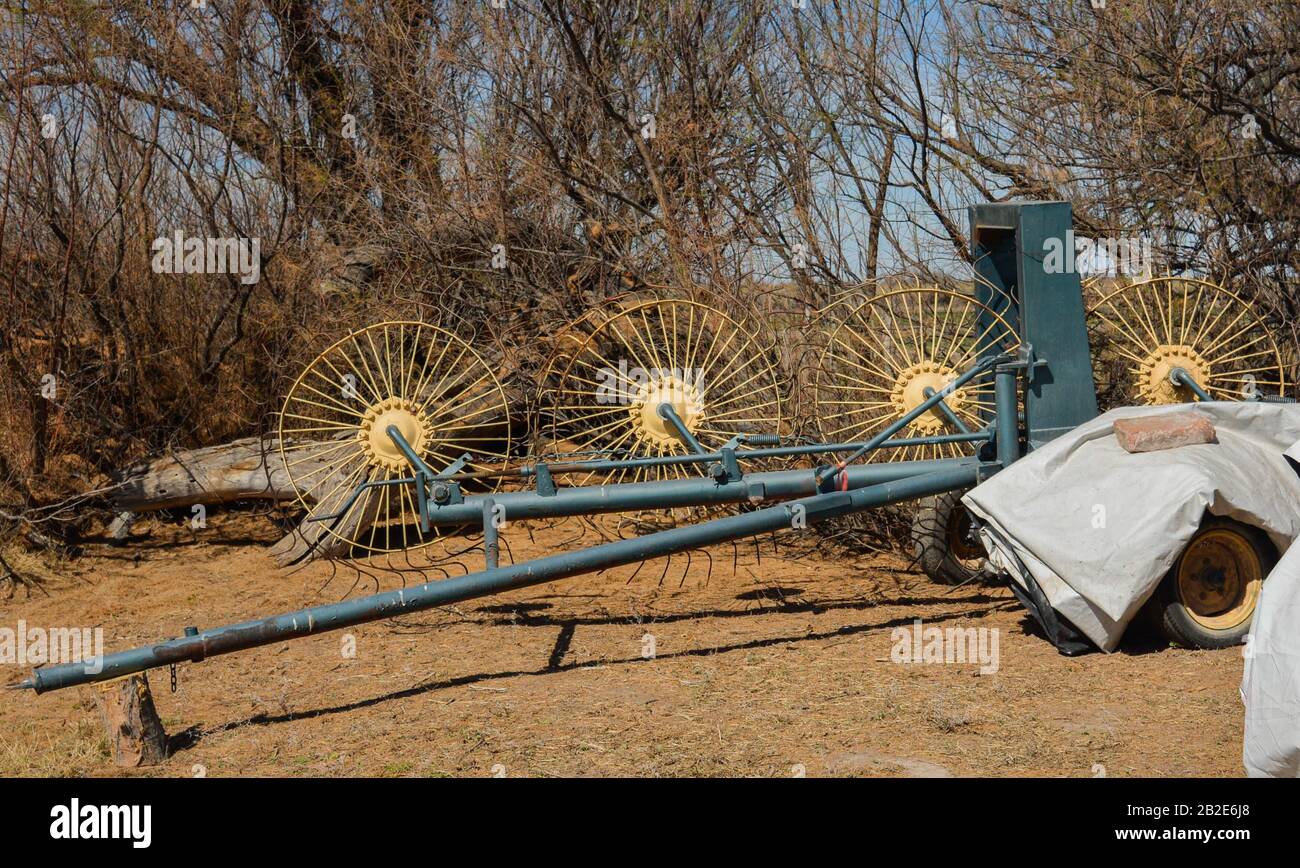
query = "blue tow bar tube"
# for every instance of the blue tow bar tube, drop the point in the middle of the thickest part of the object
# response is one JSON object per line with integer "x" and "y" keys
{"x": 807, "y": 497}
{"x": 319, "y": 619}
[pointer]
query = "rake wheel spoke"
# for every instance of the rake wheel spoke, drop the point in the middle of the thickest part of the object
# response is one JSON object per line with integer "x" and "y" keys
{"x": 907, "y": 341}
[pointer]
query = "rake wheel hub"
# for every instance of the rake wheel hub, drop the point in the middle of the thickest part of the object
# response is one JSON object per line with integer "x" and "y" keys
{"x": 683, "y": 397}
{"x": 909, "y": 393}
{"x": 1154, "y": 385}
{"x": 379, "y": 448}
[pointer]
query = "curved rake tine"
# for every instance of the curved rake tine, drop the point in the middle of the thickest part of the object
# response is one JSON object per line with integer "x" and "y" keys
{"x": 634, "y": 572}
{"x": 708, "y": 576}
{"x": 464, "y": 570}
{"x": 355, "y": 581}
{"x": 334, "y": 571}
{"x": 468, "y": 549}
{"x": 569, "y": 542}
{"x": 369, "y": 573}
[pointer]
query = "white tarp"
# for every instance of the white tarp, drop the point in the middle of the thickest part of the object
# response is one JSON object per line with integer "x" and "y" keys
{"x": 1098, "y": 527}
{"x": 1270, "y": 683}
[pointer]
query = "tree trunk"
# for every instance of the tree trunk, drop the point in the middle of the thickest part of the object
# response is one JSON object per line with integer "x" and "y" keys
{"x": 248, "y": 469}
{"x": 131, "y": 721}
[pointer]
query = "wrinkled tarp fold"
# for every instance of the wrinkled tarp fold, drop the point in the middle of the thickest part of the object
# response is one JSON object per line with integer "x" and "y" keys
{"x": 1270, "y": 682}
{"x": 1098, "y": 527}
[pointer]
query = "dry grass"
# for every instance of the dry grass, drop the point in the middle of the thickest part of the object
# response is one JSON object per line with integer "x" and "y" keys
{"x": 551, "y": 681}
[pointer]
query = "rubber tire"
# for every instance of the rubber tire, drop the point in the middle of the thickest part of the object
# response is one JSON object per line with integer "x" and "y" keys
{"x": 930, "y": 539}
{"x": 1170, "y": 616}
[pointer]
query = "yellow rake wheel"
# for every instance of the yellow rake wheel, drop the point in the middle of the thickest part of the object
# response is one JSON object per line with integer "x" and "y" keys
{"x": 1144, "y": 330}
{"x": 564, "y": 346}
{"x": 603, "y": 399}
{"x": 426, "y": 381}
{"x": 885, "y": 356}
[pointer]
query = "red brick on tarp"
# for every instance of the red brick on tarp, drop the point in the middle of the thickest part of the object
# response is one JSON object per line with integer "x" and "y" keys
{"x": 1168, "y": 431}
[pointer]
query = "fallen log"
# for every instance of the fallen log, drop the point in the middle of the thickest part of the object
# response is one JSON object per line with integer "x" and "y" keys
{"x": 247, "y": 469}
{"x": 253, "y": 469}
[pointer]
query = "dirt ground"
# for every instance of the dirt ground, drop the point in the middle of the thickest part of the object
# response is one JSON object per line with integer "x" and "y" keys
{"x": 778, "y": 668}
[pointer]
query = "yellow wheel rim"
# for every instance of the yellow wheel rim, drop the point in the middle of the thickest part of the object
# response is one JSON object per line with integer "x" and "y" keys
{"x": 886, "y": 356}
{"x": 428, "y": 383}
{"x": 1219, "y": 579}
{"x": 1144, "y": 330}
{"x": 713, "y": 370}
{"x": 957, "y": 538}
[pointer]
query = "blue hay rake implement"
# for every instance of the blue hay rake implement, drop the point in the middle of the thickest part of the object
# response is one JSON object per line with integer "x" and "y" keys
{"x": 955, "y": 386}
